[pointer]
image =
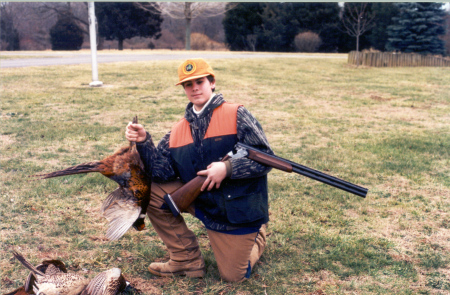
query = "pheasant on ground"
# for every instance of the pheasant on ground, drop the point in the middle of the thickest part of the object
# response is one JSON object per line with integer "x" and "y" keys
{"x": 55, "y": 282}
{"x": 51, "y": 278}
{"x": 127, "y": 205}
{"x": 47, "y": 267}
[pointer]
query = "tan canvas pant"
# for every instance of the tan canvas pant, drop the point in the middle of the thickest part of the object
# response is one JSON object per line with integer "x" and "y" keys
{"x": 235, "y": 254}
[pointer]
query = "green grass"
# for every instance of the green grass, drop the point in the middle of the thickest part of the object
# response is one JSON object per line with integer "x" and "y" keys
{"x": 383, "y": 128}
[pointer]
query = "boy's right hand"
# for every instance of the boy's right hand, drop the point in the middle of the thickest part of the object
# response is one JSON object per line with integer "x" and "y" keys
{"x": 135, "y": 132}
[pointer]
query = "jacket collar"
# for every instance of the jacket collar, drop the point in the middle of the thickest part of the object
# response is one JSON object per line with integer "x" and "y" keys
{"x": 216, "y": 101}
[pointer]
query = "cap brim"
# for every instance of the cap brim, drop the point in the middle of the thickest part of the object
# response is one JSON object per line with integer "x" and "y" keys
{"x": 192, "y": 78}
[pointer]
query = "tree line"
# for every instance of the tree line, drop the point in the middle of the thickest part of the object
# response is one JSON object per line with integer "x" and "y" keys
{"x": 406, "y": 27}
{"x": 254, "y": 26}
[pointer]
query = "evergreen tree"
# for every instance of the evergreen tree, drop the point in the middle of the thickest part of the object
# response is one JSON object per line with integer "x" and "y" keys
{"x": 417, "y": 29}
{"x": 273, "y": 26}
{"x": 320, "y": 18}
{"x": 278, "y": 28}
{"x": 242, "y": 24}
{"x": 446, "y": 37}
{"x": 66, "y": 34}
{"x": 377, "y": 37}
{"x": 124, "y": 20}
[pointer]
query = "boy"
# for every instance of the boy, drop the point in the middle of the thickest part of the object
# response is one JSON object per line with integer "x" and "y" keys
{"x": 233, "y": 204}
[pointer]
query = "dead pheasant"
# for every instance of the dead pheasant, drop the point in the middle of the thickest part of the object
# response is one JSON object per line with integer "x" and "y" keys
{"x": 54, "y": 282}
{"x": 51, "y": 277}
{"x": 127, "y": 205}
{"x": 47, "y": 267}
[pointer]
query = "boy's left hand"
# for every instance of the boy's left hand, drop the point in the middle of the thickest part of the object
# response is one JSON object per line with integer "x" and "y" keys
{"x": 215, "y": 173}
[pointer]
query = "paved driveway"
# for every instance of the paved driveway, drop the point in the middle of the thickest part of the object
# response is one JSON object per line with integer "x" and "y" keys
{"x": 34, "y": 59}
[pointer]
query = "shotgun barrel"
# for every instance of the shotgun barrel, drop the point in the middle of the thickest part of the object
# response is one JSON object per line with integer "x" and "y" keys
{"x": 290, "y": 166}
{"x": 180, "y": 200}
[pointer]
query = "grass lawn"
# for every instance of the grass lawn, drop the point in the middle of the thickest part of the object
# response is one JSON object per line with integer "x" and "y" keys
{"x": 386, "y": 129}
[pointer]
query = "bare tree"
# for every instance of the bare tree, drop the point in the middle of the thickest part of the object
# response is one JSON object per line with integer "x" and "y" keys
{"x": 210, "y": 26}
{"x": 33, "y": 20}
{"x": 251, "y": 40}
{"x": 76, "y": 10}
{"x": 357, "y": 20}
{"x": 33, "y": 29}
{"x": 187, "y": 11}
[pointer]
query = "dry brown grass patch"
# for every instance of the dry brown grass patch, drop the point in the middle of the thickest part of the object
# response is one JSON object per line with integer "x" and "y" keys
{"x": 7, "y": 140}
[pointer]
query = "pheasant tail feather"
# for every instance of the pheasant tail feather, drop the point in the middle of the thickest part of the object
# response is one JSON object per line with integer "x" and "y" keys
{"x": 78, "y": 169}
{"x": 27, "y": 264}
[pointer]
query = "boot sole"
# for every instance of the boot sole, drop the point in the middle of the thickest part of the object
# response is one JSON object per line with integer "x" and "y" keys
{"x": 200, "y": 273}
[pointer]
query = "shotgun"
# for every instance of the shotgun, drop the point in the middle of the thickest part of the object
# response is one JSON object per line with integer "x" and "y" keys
{"x": 180, "y": 200}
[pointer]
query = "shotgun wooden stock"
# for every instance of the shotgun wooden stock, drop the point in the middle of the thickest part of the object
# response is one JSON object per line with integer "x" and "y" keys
{"x": 182, "y": 198}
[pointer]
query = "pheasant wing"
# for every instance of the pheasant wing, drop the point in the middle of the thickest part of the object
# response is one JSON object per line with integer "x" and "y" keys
{"x": 97, "y": 285}
{"x": 121, "y": 209}
{"x": 29, "y": 283}
{"x": 58, "y": 265}
{"x": 109, "y": 282}
{"x": 117, "y": 194}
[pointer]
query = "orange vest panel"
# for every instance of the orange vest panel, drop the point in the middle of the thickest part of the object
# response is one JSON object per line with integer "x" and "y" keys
{"x": 180, "y": 134}
{"x": 223, "y": 122}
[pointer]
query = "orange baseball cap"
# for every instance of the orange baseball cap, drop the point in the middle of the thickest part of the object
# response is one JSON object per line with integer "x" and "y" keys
{"x": 194, "y": 68}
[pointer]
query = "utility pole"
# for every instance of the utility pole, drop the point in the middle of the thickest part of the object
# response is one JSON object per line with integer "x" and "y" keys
{"x": 93, "y": 40}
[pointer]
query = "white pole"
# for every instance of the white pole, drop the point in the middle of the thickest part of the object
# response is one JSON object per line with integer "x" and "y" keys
{"x": 93, "y": 38}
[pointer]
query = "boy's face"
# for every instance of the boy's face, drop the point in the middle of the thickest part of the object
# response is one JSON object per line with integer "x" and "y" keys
{"x": 199, "y": 91}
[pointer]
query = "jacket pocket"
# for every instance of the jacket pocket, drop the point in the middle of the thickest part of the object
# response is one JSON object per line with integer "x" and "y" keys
{"x": 245, "y": 209}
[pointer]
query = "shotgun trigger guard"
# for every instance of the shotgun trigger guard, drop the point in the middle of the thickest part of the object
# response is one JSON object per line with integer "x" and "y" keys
{"x": 240, "y": 153}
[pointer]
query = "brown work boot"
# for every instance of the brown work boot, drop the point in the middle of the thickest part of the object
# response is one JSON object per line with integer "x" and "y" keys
{"x": 191, "y": 268}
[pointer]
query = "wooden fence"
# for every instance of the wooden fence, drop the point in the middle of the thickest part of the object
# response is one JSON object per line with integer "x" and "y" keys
{"x": 390, "y": 59}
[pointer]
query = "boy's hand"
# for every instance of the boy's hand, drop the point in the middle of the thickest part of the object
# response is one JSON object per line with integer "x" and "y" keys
{"x": 215, "y": 173}
{"x": 135, "y": 132}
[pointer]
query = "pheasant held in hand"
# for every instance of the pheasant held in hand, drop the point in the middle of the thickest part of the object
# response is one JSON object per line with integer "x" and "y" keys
{"x": 127, "y": 205}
